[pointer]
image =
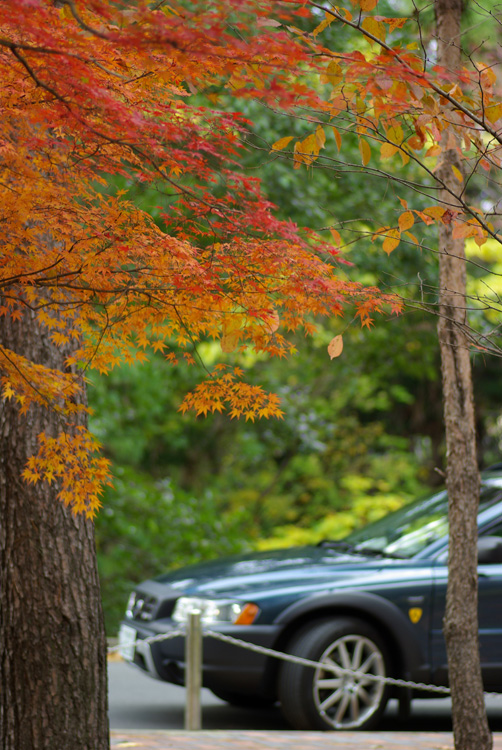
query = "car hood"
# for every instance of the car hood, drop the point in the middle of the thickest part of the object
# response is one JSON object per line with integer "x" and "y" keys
{"x": 274, "y": 570}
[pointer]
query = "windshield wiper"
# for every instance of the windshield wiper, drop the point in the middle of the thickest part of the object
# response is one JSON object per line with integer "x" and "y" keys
{"x": 355, "y": 548}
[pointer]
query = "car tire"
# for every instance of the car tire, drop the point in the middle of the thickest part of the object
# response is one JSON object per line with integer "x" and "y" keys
{"x": 243, "y": 700}
{"x": 314, "y": 698}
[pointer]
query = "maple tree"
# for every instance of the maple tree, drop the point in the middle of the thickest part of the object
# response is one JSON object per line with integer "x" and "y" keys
{"x": 92, "y": 91}
{"x": 114, "y": 276}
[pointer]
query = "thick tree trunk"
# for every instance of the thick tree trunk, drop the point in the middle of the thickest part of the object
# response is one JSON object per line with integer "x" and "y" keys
{"x": 52, "y": 642}
{"x": 470, "y": 725}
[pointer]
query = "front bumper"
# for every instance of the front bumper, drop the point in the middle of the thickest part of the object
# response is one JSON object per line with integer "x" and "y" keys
{"x": 225, "y": 667}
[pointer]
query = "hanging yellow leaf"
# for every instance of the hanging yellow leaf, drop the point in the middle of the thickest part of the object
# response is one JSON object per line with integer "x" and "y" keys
{"x": 309, "y": 144}
{"x": 338, "y": 138}
{"x": 387, "y": 150}
{"x": 435, "y": 212}
{"x": 306, "y": 151}
{"x": 335, "y": 347}
{"x": 391, "y": 241}
{"x": 493, "y": 113}
{"x": 365, "y": 150}
{"x": 382, "y": 231}
{"x": 329, "y": 18}
{"x": 368, "y": 5}
{"x": 412, "y": 238}
{"x": 458, "y": 174}
{"x": 298, "y": 157}
{"x": 320, "y": 136}
{"x": 375, "y": 28}
{"x": 395, "y": 134}
{"x": 404, "y": 156}
{"x": 406, "y": 221}
{"x": 282, "y": 143}
{"x": 333, "y": 74}
{"x": 324, "y": 24}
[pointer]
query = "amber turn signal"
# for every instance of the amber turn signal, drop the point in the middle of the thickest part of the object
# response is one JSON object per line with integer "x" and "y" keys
{"x": 248, "y": 615}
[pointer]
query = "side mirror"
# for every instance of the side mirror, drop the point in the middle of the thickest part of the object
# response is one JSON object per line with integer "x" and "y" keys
{"x": 489, "y": 550}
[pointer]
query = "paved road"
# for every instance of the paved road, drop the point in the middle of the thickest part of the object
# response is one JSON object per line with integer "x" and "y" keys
{"x": 138, "y": 702}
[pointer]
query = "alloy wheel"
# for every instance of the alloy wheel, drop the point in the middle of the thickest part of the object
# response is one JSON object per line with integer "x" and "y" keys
{"x": 344, "y": 700}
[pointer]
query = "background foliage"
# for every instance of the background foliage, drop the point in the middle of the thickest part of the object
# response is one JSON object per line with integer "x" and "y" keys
{"x": 360, "y": 435}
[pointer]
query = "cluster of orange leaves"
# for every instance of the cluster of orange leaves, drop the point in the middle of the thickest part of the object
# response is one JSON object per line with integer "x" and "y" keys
{"x": 91, "y": 89}
{"x": 71, "y": 460}
{"x": 227, "y": 392}
{"x": 398, "y": 106}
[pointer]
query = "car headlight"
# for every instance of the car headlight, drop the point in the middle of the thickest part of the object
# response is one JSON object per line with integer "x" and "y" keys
{"x": 214, "y": 611}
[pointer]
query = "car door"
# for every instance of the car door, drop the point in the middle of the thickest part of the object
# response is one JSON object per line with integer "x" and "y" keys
{"x": 490, "y": 618}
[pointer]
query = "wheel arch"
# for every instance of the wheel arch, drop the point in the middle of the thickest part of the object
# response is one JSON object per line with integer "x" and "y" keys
{"x": 404, "y": 647}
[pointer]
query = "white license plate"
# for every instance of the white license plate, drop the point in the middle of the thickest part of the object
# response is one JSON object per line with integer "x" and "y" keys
{"x": 127, "y": 637}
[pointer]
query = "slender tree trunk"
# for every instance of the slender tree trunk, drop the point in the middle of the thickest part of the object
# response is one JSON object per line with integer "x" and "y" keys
{"x": 52, "y": 643}
{"x": 470, "y": 725}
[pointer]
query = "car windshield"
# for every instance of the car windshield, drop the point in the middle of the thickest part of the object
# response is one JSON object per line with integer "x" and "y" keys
{"x": 411, "y": 529}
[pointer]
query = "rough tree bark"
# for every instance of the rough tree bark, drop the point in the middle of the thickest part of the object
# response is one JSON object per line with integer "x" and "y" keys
{"x": 52, "y": 642}
{"x": 470, "y": 725}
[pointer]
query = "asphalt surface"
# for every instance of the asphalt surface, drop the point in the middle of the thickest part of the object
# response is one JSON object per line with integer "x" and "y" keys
{"x": 137, "y": 703}
{"x": 149, "y": 715}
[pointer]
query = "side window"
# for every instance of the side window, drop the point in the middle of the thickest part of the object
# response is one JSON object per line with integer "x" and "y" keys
{"x": 495, "y": 530}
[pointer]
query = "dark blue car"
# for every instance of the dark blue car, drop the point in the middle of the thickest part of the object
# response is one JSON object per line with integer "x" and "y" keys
{"x": 372, "y": 603}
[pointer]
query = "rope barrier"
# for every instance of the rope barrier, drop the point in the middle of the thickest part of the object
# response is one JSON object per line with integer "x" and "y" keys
{"x": 181, "y": 633}
{"x": 335, "y": 668}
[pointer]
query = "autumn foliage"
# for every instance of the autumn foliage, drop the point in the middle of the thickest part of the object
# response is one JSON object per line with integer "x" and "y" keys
{"x": 99, "y": 91}
{"x": 405, "y": 109}
{"x": 94, "y": 93}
